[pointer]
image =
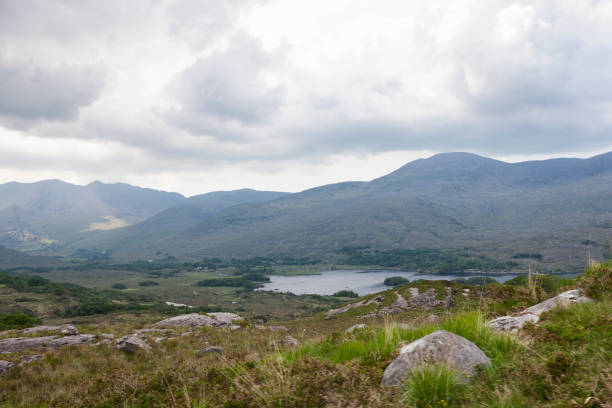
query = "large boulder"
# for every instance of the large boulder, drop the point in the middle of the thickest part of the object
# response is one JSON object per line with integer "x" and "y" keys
{"x": 200, "y": 320}
{"x": 131, "y": 344}
{"x": 532, "y": 314}
{"x": 440, "y": 347}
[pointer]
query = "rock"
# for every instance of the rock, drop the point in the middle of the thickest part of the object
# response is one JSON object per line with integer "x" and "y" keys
{"x": 15, "y": 344}
{"x": 272, "y": 328}
{"x": 199, "y": 320}
{"x": 65, "y": 329}
{"x": 6, "y": 366}
{"x": 72, "y": 340}
{"x": 211, "y": 349}
{"x": 400, "y": 305}
{"x": 289, "y": 340}
{"x": 141, "y": 332}
{"x": 438, "y": 347}
{"x": 532, "y": 314}
{"x": 405, "y": 326}
{"x": 511, "y": 323}
{"x": 28, "y": 359}
{"x": 570, "y": 296}
{"x": 356, "y": 327}
{"x": 225, "y": 317}
{"x": 131, "y": 344}
{"x": 107, "y": 336}
{"x": 425, "y": 300}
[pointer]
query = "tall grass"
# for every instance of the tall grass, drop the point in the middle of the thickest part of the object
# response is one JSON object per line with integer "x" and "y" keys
{"x": 433, "y": 386}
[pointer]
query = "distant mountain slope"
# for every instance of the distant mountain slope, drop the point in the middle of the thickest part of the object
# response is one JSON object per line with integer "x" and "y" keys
{"x": 10, "y": 258}
{"x": 454, "y": 199}
{"x": 35, "y": 214}
{"x": 176, "y": 219}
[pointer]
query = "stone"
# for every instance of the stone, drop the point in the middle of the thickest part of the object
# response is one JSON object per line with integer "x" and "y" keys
{"x": 211, "y": 349}
{"x": 6, "y": 366}
{"x": 199, "y": 320}
{"x": 15, "y": 344}
{"x": 356, "y": 327}
{"x": 570, "y": 296}
{"x": 512, "y": 323}
{"x": 440, "y": 347}
{"x": 73, "y": 340}
{"x": 289, "y": 341}
{"x": 65, "y": 329}
{"x": 225, "y": 317}
{"x": 28, "y": 359}
{"x": 131, "y": 344}
{"x": 532, "y": 314}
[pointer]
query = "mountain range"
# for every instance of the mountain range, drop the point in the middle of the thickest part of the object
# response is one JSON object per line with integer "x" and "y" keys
{"x": 560, "y": 208}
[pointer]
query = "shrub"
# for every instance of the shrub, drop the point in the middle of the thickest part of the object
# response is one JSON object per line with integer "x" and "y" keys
{"x": 119, "y": 286}
{"x": 17, "y": 321}
{"x": 395, "y": 281}
{"x": 433, "y": 386}
{"x": 346, "y": 293}
{"x": 148, "y": 283}
{"x": 597, "y": 281}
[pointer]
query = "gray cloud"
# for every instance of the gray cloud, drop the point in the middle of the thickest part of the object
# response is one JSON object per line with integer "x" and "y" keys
{"x": 30, "y": 93}
{"x": 226, "y": 86}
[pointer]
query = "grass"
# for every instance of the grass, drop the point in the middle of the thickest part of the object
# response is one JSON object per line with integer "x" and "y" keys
{"x": 564, "y": 361}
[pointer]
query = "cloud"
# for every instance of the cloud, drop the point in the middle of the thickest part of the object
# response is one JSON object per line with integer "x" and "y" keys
{"x": 30, "y": 93}
{"x": 227, "y": 90}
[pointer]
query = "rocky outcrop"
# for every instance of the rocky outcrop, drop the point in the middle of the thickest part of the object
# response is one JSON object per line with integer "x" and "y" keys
{"x": 374, "y": 301}
{"x": 532, "y": 314}
{"x": 131, "y": 344}
{"x": 201, "y": 320}
{"x": 65, "y": 329}
{"x": 429, "y": 298}
{"x": 15, "y": 344}
{"x": 440, "y": 347}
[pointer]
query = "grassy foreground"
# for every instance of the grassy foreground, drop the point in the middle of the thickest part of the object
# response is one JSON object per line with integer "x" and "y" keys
{"x": 563, "y": 361}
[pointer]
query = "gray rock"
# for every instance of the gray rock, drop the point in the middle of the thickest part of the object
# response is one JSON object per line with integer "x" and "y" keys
{"x": 512, "y": 323}
{"x": 15, "y": 344}
{"x": 65, "y": 329}
{"x": 28, "y": 359}
{"x": 106, "y": 336}
{"x": 356, "y": 327}
{"x": 404, "y": 326}
{"x": 6, "y": 366}
{"x": 211, "y": 349}
{"x": 225, "y": 317}
{"x": 131, "y": 344}
{"x": 570, "y": 296}
{"x": 72, "y": 340}
{"x": 141, "y": 332}
{"x": 288, "y": 341}
{"x": 199, "y": 320}
{"x": 532, "y": 314}
{"x": 440, "y": 347}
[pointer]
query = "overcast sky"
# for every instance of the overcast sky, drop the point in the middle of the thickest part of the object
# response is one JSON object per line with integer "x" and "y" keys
{"x": 202, "y": 95}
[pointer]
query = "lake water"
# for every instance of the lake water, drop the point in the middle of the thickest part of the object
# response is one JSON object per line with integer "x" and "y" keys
{"x": 361, "y": 281}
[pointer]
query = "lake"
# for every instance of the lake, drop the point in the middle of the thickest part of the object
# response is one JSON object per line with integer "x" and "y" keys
{"x": 361, "y": 281}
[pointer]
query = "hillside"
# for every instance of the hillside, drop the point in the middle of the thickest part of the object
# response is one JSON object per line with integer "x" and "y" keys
{"x": 448, "y": 200}
{"x": 53, "y": 212}
{"x": 338, "y": 358}
{"x": 10, "y": 258}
